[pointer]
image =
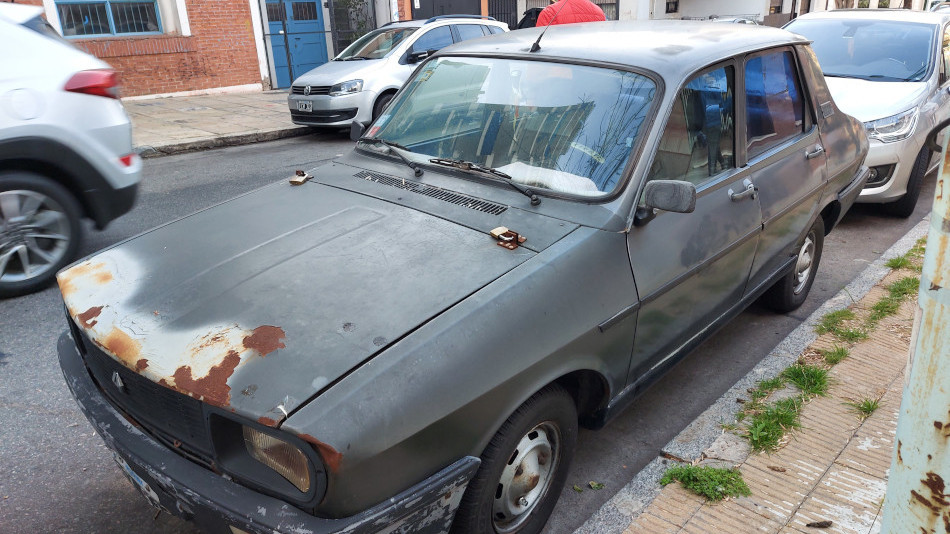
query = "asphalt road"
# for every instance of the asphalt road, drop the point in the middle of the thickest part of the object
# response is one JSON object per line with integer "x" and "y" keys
{"x": 57, "y": 476}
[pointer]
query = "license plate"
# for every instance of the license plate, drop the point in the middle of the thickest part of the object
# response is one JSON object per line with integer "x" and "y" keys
{"x": 137, "y": 481}
{"x": 304, "y": 105}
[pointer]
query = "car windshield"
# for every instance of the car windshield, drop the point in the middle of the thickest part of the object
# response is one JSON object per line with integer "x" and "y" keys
{"x": 876, "y": 50}
{"x": 565, "y": 128}
{"x": 375, "y": 44}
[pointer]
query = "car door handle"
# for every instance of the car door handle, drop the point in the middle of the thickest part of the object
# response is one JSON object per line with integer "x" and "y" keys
{"x": 749, "y": 192}
{"x": 819, "y": 150}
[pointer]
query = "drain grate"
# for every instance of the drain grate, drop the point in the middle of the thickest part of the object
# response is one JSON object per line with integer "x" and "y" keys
{"x": 458, "y": 199}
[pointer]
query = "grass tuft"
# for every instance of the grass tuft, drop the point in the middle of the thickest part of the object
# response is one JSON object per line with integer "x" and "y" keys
{"x": 714, "y": 483}
{"x": 767, "y": 427}
{"x": 851, "y": 335}
{"x": 900, "y": 262}
{"x": 832, "y": 321}
{"x": 812, "y": 380}
{"x": 865, "y": 407}
{"x": 834, "y": 355}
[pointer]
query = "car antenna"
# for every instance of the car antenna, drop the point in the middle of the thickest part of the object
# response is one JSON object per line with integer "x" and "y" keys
{"x": 535, "y": 46}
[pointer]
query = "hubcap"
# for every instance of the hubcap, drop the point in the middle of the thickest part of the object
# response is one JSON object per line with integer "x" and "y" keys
{"x": 527, "y": 478}
{"x": 34, "y": 234}
{"x": 803, "y": 266}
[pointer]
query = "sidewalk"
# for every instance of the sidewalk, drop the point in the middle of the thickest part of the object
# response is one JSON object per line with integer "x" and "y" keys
{"x": 162, "y": 126}
{"x": 833, "y": 468}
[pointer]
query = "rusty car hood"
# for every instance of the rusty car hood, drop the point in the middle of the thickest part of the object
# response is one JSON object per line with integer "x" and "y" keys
{"x": 257, "y": 304}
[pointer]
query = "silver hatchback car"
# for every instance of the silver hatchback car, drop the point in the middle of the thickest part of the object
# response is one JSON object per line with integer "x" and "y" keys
{"x": 360, "y": 82}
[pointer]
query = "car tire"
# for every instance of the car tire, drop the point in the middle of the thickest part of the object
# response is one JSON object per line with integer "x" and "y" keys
{"x": 31, "y": 207}
{"x": 527, "y": 459}
{"x": 905, "y": 206}
{"x": 381, "y": 104}
{"x": 792, "y": 289}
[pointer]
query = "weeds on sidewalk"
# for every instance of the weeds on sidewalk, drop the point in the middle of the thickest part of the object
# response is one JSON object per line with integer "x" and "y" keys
{"x": 865, "y": 407}
{"x": 714, "y": 483}
{"x": 811, "y": 379}
{"x": 834, "y": 355}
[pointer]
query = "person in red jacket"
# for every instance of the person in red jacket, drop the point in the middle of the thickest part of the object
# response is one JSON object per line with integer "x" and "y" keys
{"x": 570, "y": 11}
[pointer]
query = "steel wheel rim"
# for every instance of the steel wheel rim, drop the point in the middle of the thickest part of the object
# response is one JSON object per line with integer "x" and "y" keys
{"x": 34, "y": 235}
{"x": 803, "y": 265}
{"x": 527, "y": 477}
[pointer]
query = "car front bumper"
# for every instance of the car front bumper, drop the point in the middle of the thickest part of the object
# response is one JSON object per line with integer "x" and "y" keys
{"x": 900, "y": 155}
{"x": 216, "y": 504}
{"x": 332, "y": 110}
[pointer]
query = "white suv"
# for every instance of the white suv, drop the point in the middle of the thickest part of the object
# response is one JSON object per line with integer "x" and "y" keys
{"x": 65, "y": 150}
{"x": 359, "y": 82}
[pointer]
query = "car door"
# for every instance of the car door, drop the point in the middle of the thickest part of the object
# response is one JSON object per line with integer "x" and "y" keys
{"x": 691, "y": 268}
{"x": 939, "y": 100}
{"x": 783, "y": 149}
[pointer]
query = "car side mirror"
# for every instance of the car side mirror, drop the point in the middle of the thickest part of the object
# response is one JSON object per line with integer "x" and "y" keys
{"x": 667, "y": 195}
{"x": 415, "y": 57}
{"x": 357, "y": 129}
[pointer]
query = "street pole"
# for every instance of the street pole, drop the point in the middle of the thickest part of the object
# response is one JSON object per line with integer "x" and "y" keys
{"x": 918, "y": 496}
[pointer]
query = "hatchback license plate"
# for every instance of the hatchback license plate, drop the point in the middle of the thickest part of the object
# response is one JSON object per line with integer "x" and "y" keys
{"x": 304, "y": 106}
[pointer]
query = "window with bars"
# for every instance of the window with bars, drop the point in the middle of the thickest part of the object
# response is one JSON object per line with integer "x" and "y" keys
{"x": 108, "y": 17}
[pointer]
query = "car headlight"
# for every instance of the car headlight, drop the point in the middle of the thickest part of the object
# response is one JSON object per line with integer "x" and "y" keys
{"x": 346, "y": 88}
{"x": 893, "y": 128}
{"x": 289, "y": 461}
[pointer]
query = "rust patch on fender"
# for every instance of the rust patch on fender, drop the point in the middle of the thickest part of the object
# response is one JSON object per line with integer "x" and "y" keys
{"x": 267, "y": 421}
{"x": 331, "y": 456}
{"x": 87, "y": 319}
{"x": 265, "y": 339}
{"x": 141, "y": 364}
{"x": 212, "y": 388}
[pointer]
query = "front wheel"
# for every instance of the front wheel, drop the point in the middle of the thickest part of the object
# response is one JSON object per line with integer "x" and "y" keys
{"x": 792, "y": 289}
{"x": 39, "y": 231}
{"x": 523, "y": 468}
{"x": 381, "y": 104}
{"x": 904, "y": 207}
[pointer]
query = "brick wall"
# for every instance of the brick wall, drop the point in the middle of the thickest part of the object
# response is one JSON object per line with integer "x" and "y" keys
{"x": 220, "y": 52}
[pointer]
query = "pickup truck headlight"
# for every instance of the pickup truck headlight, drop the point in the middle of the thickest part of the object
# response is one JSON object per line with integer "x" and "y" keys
{"x": 346, "y": 88}
{"x": 289, "y": 461}
{"x": 893, "y": 128}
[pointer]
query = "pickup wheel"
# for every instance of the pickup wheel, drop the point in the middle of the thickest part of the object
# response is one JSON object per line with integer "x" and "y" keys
{"x": 792, "y": 289}
{"x": 39, "y": 231}
{"x": 905, "y": 206}
{"x": 523, "y": 468}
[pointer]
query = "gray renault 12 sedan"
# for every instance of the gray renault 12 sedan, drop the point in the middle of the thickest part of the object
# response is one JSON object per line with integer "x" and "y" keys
{"x": 407, "y": 340}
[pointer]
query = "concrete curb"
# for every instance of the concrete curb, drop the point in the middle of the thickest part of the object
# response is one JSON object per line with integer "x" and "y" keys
{"x": 617, "y": 513}
{"x": 242, "y": 138}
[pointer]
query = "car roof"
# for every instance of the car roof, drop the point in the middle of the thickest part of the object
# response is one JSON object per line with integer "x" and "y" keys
{"x": 19, "y": 13}
{"x": 902, "y": 15}
{"x": 674, "y": 48}
{"x": 446, "y": 19}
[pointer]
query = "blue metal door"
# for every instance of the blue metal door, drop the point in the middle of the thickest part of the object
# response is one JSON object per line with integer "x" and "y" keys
{"x": 297, "y": 36}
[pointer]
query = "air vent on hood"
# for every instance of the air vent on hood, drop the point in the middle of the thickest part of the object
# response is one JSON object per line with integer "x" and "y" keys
{"x": 435, "y": 192}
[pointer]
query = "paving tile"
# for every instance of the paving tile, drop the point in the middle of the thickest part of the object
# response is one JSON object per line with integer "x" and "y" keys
{"x": 675, "y": 504}
{"x": 647, "y": 523}
{"x": 729, "y": 516}
{"x": 849, "y": 498}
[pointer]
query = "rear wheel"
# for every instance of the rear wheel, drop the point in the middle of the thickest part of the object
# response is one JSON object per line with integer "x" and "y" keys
{"x": 792, "y": 289}
{"x": 523, "y": 468}
{"x": 39, "y": 231}
{"x": 907, "y": 203}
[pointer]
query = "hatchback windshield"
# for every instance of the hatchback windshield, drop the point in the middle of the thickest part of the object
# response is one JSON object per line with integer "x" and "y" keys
{"x": 375, "y": 44}
{"x": 876, "y": 50}
{"x": 565, "y": 128}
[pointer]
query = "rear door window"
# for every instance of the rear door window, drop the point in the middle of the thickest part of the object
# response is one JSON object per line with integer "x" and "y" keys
{"x": 775, "y": 109}
{"x": 469, "y": 31}
{"x": 433, "y": 39}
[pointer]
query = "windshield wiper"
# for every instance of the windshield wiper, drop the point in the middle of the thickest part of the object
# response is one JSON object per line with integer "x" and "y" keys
{"x": 394, "y": 149}
{"x": 354, "y": 58}
{"x": 471, "y": 166}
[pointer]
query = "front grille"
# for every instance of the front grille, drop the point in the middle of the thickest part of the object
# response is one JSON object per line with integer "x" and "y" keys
{"x": 314, "y": 89}
{"x": 167, "y": 414}
{"x": 451, "y": 197}
{"x": 322, "y": 117}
